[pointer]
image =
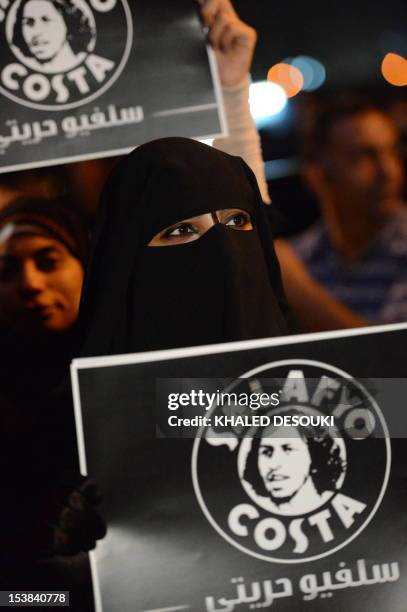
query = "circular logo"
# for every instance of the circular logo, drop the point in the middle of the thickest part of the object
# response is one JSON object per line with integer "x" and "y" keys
{"x": 60, "y": 54}
{"x": 303, "y": 477}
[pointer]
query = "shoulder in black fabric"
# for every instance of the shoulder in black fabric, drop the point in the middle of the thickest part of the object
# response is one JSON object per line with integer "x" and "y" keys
{"x": 223, "y": 287}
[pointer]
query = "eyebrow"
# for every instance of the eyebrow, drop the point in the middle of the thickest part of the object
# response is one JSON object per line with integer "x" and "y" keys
{"x": 48, "y": 250}
{"x": 272, "y": 446}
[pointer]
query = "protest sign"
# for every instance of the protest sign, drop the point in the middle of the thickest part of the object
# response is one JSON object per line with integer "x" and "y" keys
{"x": 243, "y": 513}
{"x": 81, "y": 79}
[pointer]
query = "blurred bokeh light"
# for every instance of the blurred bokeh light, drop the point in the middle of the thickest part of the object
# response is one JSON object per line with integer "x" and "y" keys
{"x": 394, "y": 69}
{"x": 313, "y": 72}
{"x": 288, "y": 77}
{"x": 266, "y": 99}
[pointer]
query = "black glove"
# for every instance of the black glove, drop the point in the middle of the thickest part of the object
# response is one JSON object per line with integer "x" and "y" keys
{"x": 79, "y": 525}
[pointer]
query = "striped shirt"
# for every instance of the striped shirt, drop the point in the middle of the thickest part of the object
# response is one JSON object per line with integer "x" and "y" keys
{"x": 375, "y": 285}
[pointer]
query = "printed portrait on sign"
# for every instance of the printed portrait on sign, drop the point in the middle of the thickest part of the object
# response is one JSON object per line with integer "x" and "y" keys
{"x": 52, "y": 36}
{"x": 295, "y": 469}
{"x": 60, "y": 54}
{"x": 297, "y": 485}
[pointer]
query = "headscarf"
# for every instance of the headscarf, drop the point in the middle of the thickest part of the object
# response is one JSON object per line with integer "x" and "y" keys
{"x": 225, "y": 286}
{"x": 54, "y": 218}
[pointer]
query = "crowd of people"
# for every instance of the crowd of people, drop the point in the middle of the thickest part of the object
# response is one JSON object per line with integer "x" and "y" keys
{"x": 139, "y": 294}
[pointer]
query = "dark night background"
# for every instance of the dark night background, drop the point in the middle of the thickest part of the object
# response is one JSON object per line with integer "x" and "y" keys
{"x": 350, "y": 39}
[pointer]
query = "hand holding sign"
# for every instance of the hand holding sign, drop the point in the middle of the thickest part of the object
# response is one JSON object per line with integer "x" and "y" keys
{"x": 79, "y": 525}
{"x": 232, "y": 39}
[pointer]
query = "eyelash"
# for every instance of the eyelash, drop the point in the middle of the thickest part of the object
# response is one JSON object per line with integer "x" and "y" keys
{"x": 49, "y": 263}
{"x": 169, "y": 233}
{"x": 245, "y": 218}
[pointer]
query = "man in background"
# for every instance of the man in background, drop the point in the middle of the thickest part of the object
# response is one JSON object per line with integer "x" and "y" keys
{"x": 356, "y": 255}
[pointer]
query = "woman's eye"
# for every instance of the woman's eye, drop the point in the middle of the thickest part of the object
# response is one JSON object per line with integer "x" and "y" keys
{"x": 183, "y": 229}
{"x": 47, "y": 264}
{"x": 241, "y": 220}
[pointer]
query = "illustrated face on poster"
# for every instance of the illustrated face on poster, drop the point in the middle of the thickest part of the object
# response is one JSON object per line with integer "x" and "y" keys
{"x": 299, "y": 492}
{"x": 46, "y": 38}
{"x": 57, "y": 55}
{"x": 290, "y": 470}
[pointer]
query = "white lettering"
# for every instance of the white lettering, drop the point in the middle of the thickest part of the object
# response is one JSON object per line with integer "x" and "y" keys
{"x": 299, "y": 537}
{"x": 295, "y": 387}
{"x": 235, "y": 515}
{"x": 326, "y": 389}
{"x": 321, "y": 521}
{"x": 271, "y": 533}
{"x": 78, "y": 76}
{"x": 36, "y": 87}
{"x": 303, "y": 420}
{"x": 260, "y": 534}
{"x": 8, "y": 73}
{"x": 346, "y": 507}
{"x": 59, "y": 87}
{"x": 359, "y": 423}
{"x": 3, "y": 5}
{"x": 99, "y": 66}
{"x": 103, "y": 6}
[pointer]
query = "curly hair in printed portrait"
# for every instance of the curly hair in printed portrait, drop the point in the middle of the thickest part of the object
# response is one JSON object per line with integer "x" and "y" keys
{"x": 52, "y": 32}
{"x": 282, "y": 459}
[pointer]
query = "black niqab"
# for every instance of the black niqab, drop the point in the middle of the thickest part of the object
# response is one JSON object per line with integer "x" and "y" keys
{"x": 222, "y": 287}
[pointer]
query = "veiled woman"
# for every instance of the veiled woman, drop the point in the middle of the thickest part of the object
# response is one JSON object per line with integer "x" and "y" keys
{"x": 182, "y": 254}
